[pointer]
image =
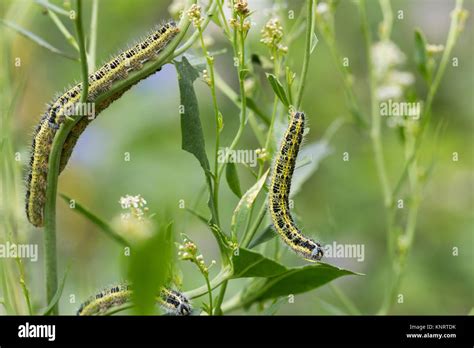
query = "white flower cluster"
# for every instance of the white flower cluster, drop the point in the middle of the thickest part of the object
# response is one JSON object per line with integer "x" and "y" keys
{"x": 136, "y": 204}
{"x": 391, "y": 83}
{"x": 189, "y": 251}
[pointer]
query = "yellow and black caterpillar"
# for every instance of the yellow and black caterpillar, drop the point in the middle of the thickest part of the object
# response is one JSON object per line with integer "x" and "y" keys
{"x": 99, "y": 82}
{"x": 172, "y": 301}
{"x": 279, "y": 192}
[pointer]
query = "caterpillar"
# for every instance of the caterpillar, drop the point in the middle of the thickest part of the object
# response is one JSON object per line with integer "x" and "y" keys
{"x": 100, "y": 81}
{"x": 279, "y": 192}
{"x": 172, "y": 301}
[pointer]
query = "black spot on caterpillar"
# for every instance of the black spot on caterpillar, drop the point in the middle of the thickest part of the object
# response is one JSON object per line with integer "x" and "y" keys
{"x": 99, "y": 82}
{"x": 279, "y": 192}
{"x": 172, "y": 301}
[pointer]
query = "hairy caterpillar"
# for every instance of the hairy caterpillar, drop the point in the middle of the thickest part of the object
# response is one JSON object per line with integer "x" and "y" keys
{"x": 171, "y": 301}
{"x": 99, "y": 82}
{"x": 279, "y": 192}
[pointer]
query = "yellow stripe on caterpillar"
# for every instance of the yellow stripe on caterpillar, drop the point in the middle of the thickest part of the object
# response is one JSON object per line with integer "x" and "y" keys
{"x": 279, "y": 192}
{"x": 100, "y": 81}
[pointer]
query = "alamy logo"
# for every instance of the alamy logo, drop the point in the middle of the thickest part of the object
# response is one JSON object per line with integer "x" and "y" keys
{"x": 393, "y": 108}
{"x": 336, "y": 250}
{"x": 37, "y": 331}
{"x": 23, "y": 251}
{"x": 228, "y": 155}
{"x": 80, "y": 109}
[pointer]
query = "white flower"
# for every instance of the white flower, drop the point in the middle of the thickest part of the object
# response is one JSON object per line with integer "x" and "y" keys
{"x": 385, "y": 55}
{"x": 135, "y": 204}
{"x": 389, "y": 92}
{"x": 322, "y": 8}
{"x": 434, "y": 48}
{"x": 401, "y": 78}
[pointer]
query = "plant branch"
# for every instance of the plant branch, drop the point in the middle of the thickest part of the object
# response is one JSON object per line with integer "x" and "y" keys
{"x": 307, "y": 52}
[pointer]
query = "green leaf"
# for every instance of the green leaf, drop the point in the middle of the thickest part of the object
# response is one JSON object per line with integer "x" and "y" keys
{"x": 149, "y": 268}
{"x": 233, "y": 179}
{"x": 57, "y": 295}
{"x": 264, "y": 236}
{"x": 35, "y": 38}
{"x": 249, "y": 263}
{"x": 295, "y": 281}
{"x": 421, "y": 58}
{"x": 242, "y": 211}
{"x": 315, "y": 153}
{"x": 103, "y": 225}
{"x": 192, "y": 137}
{"x": 199, "y": 216}
{"x": 278, "y": 89}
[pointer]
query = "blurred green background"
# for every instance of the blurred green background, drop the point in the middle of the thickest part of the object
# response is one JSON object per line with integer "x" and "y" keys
{"x": 342, "y": 201}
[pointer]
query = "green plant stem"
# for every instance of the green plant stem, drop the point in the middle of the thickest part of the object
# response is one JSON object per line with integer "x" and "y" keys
{"x": 82, "y": 51}
{"x": 69, "y": 38}
{"x": 50, "y": 213}
{"x": 411, "y": 168}
{"x": 345, "y": 74}
{"x": 24, "y": 287}
{"x": 375, "y": 132}
{"x": 223, "y": 275}
{"x": 307, "y": 53}
{"x": 184, "y": 23}
{"x": 92, "y": 50}
{"x": 53, "y": 172}
{"x": 220, "y": 299}
{"x": 212, "y": 83}
{"x": 387, "y": 19}
{"x": 209, "y": 290}
{"x": 238, "y": 41}
{"x": 426, "y": 115}
{"x": 274, "y": 111}
{"x": 225, "y": 25}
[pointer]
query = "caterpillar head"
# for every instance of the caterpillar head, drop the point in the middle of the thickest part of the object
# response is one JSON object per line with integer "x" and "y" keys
{"x": 317, "y": 253}
{"x": 184, "y": 309}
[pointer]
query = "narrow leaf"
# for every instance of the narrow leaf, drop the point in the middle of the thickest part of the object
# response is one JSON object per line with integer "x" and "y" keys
{"x": 103, "y": 225}
{"x": 233, "y": 179}
{"x": 264, "y": 236}
{"x": 52, "y": 7}
{"x": 278, "y": 89}
{"x": 199, "y": 216}
{"x": 57, "y": 295}
{"x": 315, "y": 152}
{"x": 242, "y": 211}
{"x": 421, "y": 59}
{"x": 35, "y": 38}
{"x": 192, "y": 137}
